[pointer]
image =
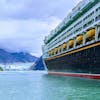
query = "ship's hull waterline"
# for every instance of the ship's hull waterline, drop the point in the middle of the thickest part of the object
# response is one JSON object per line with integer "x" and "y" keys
{"x": 82, "y": 62}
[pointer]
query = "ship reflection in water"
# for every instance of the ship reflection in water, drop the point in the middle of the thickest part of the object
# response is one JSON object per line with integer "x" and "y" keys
{"x": 37, "y": 85}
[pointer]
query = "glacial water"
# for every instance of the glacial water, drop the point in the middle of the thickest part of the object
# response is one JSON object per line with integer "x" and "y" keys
{"x": 37, "y": 85}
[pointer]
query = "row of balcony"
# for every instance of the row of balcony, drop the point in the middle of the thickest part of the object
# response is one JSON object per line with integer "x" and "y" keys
{"x": 78, "y": 41}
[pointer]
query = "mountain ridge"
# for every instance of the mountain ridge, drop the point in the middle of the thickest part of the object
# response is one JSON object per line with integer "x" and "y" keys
{"x": 7, "y": 57}
{"x": 38, "y": 64}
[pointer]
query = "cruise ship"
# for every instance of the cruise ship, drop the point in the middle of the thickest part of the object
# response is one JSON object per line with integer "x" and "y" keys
{"x": 73, "y": 47}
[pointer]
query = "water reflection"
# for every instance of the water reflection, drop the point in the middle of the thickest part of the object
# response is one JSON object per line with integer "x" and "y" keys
{"x": 40, "y": 86}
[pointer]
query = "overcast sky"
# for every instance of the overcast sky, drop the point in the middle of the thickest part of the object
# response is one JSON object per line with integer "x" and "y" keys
{"x": 25, "y": 23}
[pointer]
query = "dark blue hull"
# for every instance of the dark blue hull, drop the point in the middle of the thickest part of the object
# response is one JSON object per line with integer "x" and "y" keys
{"x": 82, "y": 60}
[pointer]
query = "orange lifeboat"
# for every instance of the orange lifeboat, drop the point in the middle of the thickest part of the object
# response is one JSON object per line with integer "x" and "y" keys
{"x": 64, "y": 46}
{"x": 52, "y": 52}
{"x": 60, "y": 48}
{"x": 49, "y": 53}
{"x": 90, "y": 34}
{"x": 71, "y": 43}
{"x": 56, "y": 50}
{"x": 79, "y": 39}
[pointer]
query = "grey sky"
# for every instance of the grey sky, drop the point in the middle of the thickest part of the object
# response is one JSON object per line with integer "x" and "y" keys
{"x": 24, "y": 23}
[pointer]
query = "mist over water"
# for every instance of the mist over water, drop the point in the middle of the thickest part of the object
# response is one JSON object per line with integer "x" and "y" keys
{"x": 37, "y": 85}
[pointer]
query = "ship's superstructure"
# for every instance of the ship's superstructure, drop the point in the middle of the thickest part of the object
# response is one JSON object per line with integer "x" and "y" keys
{"x": 74, "y": 45}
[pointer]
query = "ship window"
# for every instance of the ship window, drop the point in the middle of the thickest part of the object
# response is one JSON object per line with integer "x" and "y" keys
{"x": 98, "y": 9}
{"x": 78, "y": 24}
{"x": 85, "y": 25}
{"x": 79, "y": 29}
{"x": 90, "y": 22}
{"x": 70, "y": 29}
{"x": 88, "y": 16}
{"x": 97, "y": 18}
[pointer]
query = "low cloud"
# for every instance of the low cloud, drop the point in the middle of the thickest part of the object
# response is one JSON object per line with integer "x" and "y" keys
{"x": 25, "y": 23}
{"x": 25, "y": 35}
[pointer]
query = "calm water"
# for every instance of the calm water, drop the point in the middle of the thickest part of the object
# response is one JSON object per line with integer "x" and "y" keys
{"x": 40, "y": 86}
